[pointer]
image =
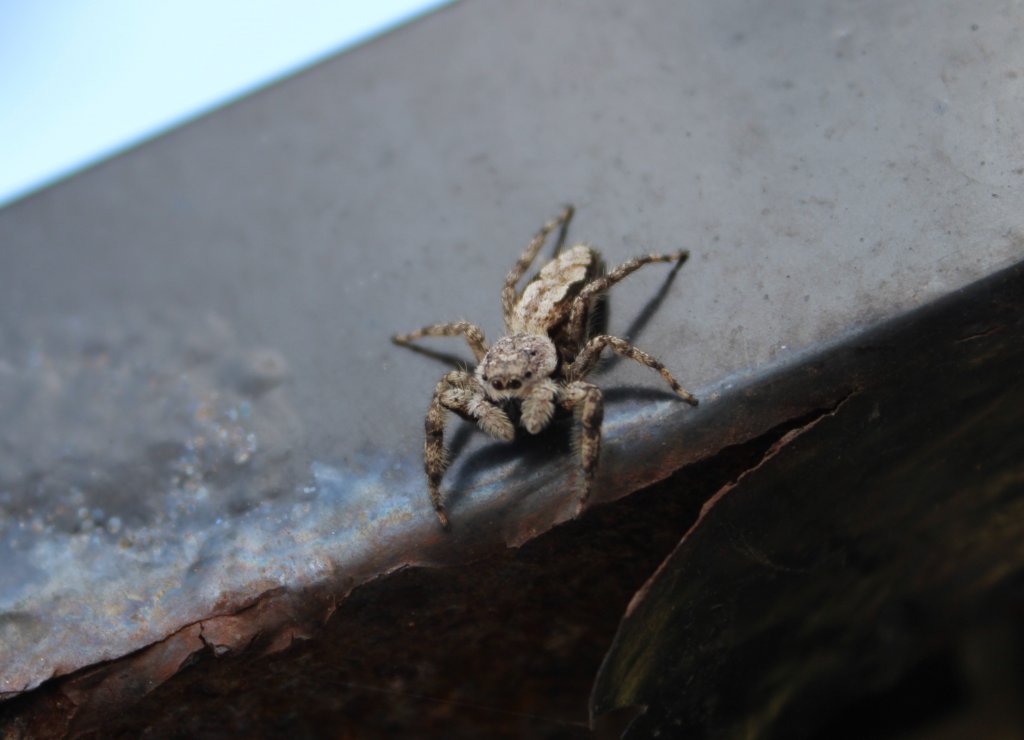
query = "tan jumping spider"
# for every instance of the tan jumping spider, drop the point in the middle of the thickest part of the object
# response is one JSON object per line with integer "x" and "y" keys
{"x": 542, "y": 361}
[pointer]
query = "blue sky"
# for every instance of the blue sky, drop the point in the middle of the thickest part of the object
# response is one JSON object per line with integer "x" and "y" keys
{"x": 83, "y": 79}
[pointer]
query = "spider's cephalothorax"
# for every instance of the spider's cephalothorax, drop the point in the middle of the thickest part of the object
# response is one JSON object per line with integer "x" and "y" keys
{"x": 541, "y": 363}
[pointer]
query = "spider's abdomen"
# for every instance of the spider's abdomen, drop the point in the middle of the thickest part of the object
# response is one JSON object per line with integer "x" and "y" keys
{"x": 545, "y": 302}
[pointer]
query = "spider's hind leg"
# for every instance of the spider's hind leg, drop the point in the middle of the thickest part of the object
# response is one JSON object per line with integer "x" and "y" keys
{"x": 508, "y": 291}
{"x": 591, "y": 352}
{"x": 598, "y": 286}
{"x": 563, "y": 231}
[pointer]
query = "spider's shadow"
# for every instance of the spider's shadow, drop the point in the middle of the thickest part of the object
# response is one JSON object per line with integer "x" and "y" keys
{"x": 558, "y": 441}
{"x": 529, "y": 450}
{"x": 445, "y": 357}
{"x": 644, "y": 317}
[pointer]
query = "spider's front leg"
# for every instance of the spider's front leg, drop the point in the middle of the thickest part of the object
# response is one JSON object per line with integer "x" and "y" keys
{"x": 539, "y": 406}
{"x": 474, "y": 336}
{"x": 587, "y": 398}
{"x": 457, "y": 391}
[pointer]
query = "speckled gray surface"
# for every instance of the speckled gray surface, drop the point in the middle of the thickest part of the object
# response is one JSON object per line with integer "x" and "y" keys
{"x": 200, "y": 403}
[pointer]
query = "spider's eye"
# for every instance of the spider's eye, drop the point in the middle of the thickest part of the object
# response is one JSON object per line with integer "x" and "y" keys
{"x": 484, "y": 377}
{"x": 513, "y": 384}
{"x": 497, "y": 385}
{"x": 529, "y": 374}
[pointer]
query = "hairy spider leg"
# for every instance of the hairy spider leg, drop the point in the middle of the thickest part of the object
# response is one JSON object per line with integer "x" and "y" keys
{"x": 564, "y": 230}
{"x": 539, "y": 406}
{"x": 587, "y": 359}
{"x": 587, "y": 398}
{"x": 508, "y": 291}
{"x": 474, "y": 335}
{"x": 599, "y": 285}
{"x": 457, "y": 391}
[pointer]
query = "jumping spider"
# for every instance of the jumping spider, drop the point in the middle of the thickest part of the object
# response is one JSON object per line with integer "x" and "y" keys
{"x": 541, "y": 362}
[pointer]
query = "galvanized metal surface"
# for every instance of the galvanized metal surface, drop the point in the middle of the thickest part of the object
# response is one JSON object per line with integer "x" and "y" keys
{"x": 200, "y": 405}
